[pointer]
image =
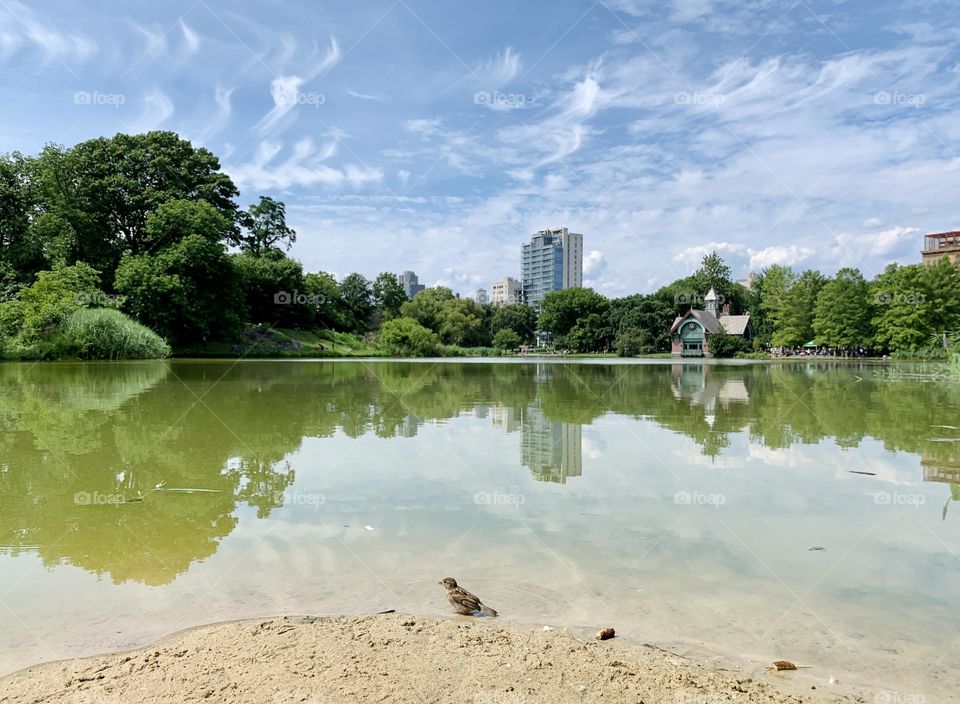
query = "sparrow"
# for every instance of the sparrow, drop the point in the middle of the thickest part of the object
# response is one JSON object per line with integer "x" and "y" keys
{"x": 462, "y": 601}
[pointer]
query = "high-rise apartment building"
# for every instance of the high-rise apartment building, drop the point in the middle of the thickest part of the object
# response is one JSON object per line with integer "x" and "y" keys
{"x": 551, "y": 261}
{"x": 411, "y": 285}
{"x": 506, "y": 291}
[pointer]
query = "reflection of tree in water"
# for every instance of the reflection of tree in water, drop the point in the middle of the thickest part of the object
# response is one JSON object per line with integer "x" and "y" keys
{"x": 121, "y": 429}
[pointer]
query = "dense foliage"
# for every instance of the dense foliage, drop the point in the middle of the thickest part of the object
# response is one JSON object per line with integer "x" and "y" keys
{"x": 148, "y": 226}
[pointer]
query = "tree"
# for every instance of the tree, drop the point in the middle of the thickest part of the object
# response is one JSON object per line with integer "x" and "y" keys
{"x": 461, "y": 323}
{"x": 724, "y": 345}
{"x": 427, "y": 307}
{"x": 639, "y": 323}
{"x": 407, "y": 337}
{"x": 915, "y": 304}
{"x": 356, "y": 299}
{"x": 21, "y": 250}
{"x": 795, "y": 320}
{"x": 43, "y": 305}
{"x": 177, "y": 219}
{"x": 506, "y": 340}
{"x": 842, "y": 313}
{"x": 188, "y": 293}
{"x": 106, "y": 188}
{"x": 273, "y": 288}
{"x": 519, "y": 318}
{"x": 590, "y": 334}
{"x": 388, "y": 296}
{"x": 266, "y": 228}
{"x": 324, "y": 300}
{"x": 772, "y": 287}
{"x": 561, "y": 310}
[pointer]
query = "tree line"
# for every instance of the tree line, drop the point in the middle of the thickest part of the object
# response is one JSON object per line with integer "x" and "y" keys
{"x": 133, "y": 245}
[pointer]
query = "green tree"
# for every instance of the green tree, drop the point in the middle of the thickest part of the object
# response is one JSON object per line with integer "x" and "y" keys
{"x": 407, "y": 337}
{"x": 356, "y": 299}
{"x": 272, "y": 286}
{"x": 561, "y": 310}
{"x": 519, "y": 318}
{"x": 639, "y": 323}
{"x": 461, "y": 323}
{"x": 794, "y": 323}
{"x": 915, "y": 304}
{"x": 188, "y": 293}
{"x": 590, "y": 334}
{"x": 427, "y": 307}
{"x": 106, "y": 188}
{"x": 724, "y": 345}
{"x": 43, "y": 305}
{"x": 265, "y": 225}
{"x": 772, "y": 286}
{"x": 176, "y": 219}
{"x": 324, "y": 300}
{"x": 21, "y": 250}
{"x": 842, "y": 313}
{"x": 506, "y": 340}
{"x": 388, "y": 296}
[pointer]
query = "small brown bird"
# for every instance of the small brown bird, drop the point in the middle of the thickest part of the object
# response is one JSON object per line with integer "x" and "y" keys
{"x": 463, "y": 602}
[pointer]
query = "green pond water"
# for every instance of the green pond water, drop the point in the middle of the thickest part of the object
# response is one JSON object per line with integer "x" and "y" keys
{"x": 805, "y": 510}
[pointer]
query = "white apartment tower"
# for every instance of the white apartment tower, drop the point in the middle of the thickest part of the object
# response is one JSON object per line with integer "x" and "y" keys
{"x": 506, "y": 291}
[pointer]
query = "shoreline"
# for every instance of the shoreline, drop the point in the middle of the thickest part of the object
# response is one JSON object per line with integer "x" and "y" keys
{"x": 402, "y": 658}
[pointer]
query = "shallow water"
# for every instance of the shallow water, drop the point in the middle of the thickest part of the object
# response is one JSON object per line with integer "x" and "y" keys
{"x": 685, "y": 504}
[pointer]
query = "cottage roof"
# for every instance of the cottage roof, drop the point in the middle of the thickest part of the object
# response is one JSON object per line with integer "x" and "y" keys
{"x": 735, "y": 324}
{"x": 705, "y": 318}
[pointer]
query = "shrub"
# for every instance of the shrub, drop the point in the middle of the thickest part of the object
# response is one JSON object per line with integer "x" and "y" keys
{"x": 506, "y": 340}
{"x": 405, "y": 336}
{"x": 722, "y": 344}
{"x": 103, "y": 333}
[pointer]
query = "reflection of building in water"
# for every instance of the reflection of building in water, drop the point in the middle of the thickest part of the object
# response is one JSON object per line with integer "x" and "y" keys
{"x": 506, "y": 418}
{"x": 935, "y": 470}
{"x": 696, "y": 383}
{"x": 550, "y": 449}
{"x": 409, "y": 427}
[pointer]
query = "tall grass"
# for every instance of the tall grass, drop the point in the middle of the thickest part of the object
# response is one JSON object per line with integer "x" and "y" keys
{"x": 104, "y": 333}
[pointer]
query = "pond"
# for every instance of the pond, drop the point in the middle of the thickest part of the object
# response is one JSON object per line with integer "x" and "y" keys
{"x": 807, "y": 510}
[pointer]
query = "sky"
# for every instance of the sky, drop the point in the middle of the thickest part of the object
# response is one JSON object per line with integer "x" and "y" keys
{"x": 438, "y": 135}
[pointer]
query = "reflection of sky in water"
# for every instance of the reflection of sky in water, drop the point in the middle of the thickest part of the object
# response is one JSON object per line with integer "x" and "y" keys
{"x": 624, "y": 520}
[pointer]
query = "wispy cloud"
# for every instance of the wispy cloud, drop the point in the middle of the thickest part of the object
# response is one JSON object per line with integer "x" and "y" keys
{"x": 21, "y": 28}
{"x": 285, "y": 90}
{"x": 303, "y": 167}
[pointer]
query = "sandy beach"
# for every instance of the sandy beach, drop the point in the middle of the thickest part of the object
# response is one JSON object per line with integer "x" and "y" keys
{"x": 400, "y": 658}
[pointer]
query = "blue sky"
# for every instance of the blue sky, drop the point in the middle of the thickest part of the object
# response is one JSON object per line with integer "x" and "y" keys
{"x": 437, "y": 136}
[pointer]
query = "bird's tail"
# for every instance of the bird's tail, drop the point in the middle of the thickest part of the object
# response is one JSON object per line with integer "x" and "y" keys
{"x": 488, "y": 610}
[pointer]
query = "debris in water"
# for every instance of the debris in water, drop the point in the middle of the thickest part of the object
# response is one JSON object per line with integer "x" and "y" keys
{"x": 606, "y": 633}
{"x": 869, "y": 474}
{"x": 369, "y": 528}
{"x": 817, "y": 547}
{"x": 779, "y": 665}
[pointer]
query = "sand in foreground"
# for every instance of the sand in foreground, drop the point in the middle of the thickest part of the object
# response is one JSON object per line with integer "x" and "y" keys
{"x": 388, "y": 658}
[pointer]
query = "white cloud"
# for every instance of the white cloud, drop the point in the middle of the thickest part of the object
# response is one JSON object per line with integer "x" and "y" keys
{"x": 22, "y": 28}
{"x": 304, "y": 167}
{"x": 365, "y": 96}
{"x": 778, "y": 254}
{"x": 157, "y": 109}
{"x": 851, "y": 249}
{"x": 594, "y": 263}
{"x": 190, "y": 38}
{"x": 502, "y": 68}
{"x": 286, "y": 94}
{"x": 695, "y": 254}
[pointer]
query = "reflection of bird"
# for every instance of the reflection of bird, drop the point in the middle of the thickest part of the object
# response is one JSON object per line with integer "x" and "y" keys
{"x": 463, "y": 601}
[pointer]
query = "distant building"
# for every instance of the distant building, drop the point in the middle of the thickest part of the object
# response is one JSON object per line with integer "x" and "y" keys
{"x": 747, "y": 283}
{"x": 551, "y": 261}
{"x": 480, "y": 297}
{"x": 410, "y": 283}
{"x": 940, "y": 245}
{"x": 690, "y": 332}
{"x": 506, "y": 291}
